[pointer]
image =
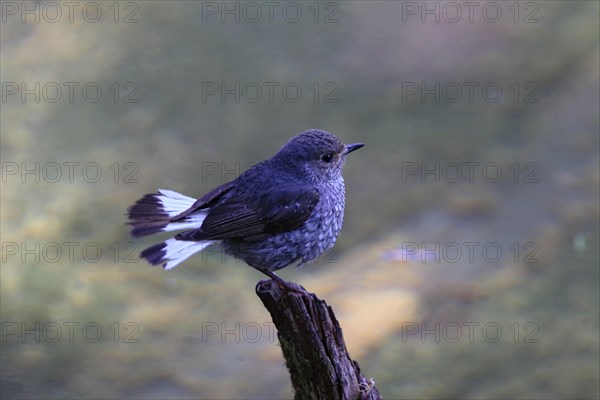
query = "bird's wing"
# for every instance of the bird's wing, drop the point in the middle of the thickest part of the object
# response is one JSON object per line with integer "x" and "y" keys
{"x": 206, "y": 200}
{"x": 246, "y": 218}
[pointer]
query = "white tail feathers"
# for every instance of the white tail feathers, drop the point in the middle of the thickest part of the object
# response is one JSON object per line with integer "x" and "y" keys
{"x": 177, "y": 251}
{"x": 174, "y": 203}
{"x": 172, "y": 252}
{"x": 155, "y": 212}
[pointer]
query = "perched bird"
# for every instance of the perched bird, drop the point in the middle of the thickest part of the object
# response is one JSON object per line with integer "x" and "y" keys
{"x": 285, "y": 209}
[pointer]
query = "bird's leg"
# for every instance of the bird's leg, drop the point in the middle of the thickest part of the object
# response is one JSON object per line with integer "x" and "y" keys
{"x": 289, "y": 286}
{"x": 273, "y": 276}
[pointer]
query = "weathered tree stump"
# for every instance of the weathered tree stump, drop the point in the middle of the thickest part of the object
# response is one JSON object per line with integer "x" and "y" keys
{"x": 313, "y": 345}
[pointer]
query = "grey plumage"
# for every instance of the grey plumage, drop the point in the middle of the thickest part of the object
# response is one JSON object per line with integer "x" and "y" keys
{"x": 289, "y": 208}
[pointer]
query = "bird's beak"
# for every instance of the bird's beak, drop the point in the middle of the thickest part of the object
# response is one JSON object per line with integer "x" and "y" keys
{"x": 351, "y": 147}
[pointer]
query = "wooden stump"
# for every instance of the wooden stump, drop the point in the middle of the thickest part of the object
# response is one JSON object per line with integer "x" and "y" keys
{"x": 313, "y": 345}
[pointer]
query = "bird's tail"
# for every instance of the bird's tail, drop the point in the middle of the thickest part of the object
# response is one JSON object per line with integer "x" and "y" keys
{"x": 171, "y": 252}
{"x": 158, "y": 212}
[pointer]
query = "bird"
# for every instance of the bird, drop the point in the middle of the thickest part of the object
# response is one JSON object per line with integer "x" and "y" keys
{"x": 286, "y": 209}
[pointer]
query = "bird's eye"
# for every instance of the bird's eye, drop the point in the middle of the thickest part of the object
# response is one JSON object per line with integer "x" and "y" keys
{"x": 328, "y": 157}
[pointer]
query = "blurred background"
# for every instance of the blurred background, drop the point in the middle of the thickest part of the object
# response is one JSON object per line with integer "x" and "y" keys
{"x": 468, "y": 262}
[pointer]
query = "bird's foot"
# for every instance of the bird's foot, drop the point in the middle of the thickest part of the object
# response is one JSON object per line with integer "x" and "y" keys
{"x": 288, "y": 286}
